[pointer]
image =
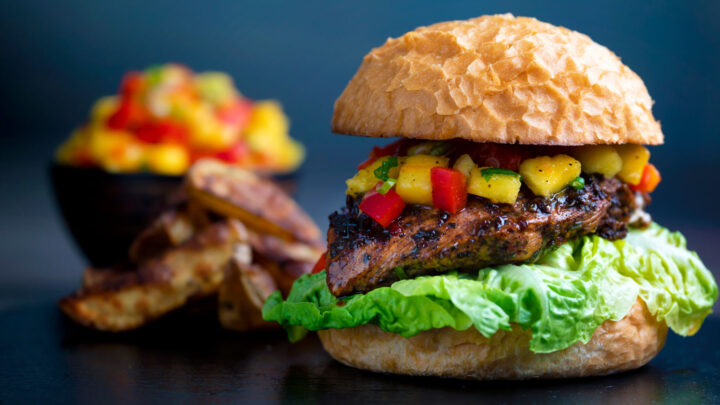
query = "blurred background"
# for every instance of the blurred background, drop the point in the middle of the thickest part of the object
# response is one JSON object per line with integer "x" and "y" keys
{"x": 57, "y": 58}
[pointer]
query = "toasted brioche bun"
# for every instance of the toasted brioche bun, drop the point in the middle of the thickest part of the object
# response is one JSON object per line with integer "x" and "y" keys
{"x": 498, "y": 79}
{"x": 615, "y": 346}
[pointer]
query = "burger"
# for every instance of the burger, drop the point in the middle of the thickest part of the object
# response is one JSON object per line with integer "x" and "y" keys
{"x": 505, "y": 234}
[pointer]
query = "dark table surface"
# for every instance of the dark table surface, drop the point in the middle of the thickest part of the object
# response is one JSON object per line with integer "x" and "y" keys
{"x": 187, "y": 358}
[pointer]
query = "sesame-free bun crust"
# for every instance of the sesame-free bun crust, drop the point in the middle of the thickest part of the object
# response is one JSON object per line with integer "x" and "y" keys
{"x": 615, "y": 346}
{"x": 498, "y": 79}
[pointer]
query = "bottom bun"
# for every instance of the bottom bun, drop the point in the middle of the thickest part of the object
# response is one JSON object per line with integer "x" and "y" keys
{"x": 615, "y": 346}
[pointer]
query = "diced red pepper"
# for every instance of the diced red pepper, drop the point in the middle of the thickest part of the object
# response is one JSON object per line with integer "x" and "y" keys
{"x": 449, "y": 190}
{"x": 383, "y": 208}
{"x": 320, "y": 265}
{"x": 377, "y": 152}
{"x": 236, "y": 113}
{"x": 132, "y": 84}
{"x": 649, "y": 180}
{"x": 129, "y": 115}
{"x": 162, "y": 131}
{"x": 235, "y": 154}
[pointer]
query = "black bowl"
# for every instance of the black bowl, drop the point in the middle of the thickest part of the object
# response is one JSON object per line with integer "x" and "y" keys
{"x": 106, "y": 211}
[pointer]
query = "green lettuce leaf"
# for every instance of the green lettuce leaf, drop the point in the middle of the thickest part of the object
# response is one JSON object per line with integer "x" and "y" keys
{"x": 562, "y": 298}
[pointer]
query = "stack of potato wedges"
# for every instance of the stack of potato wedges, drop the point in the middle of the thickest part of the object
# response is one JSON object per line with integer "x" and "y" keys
{"x": 233, "y": 235}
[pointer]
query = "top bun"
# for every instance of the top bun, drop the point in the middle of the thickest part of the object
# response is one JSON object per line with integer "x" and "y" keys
{"x": 498, "y": 79}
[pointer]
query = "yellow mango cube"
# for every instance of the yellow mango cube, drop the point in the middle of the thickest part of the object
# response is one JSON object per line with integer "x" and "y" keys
{"x": 464, "y": 164}
{"x": 428, "y": 161}
{"x": 414, "y": 184}
{"x": 116, "y": 151}
{"x": 365, "y": 179}
{"x": 268, "y": 116}
{"x": 602, "y": 159}
{"x": 547, "y": 175}
{"x": 498, "y": 188}
{"x": 168, "y": 159}
{"x": 206, "y": 132}
{"x": 634, "y": 158}
{"x": 103, "y": 108}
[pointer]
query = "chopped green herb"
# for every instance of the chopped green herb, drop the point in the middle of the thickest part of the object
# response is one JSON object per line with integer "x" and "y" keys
{"x": 387, "y": 185}
{"x": 489, "y": 172}
{"x": 387, "y": 164}
{"x": 400, "y": 273}
{"x": 440, "y": 148}
{"x": 578, "y": 183}
{"x": 154, "y": 74}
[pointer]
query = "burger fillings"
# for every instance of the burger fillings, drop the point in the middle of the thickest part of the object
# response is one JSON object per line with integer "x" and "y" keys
{"x": 504, "y": 235}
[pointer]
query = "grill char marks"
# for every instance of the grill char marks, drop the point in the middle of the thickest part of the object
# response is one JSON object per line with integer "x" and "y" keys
{"x": 362, "y": 255}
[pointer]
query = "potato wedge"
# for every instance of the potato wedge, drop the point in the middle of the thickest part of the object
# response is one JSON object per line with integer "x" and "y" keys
{"x": 124, "y": 300}
{"x": 242, "y": 295}
{"x": 260, "y": 204}
{"x": 171, "y": 229}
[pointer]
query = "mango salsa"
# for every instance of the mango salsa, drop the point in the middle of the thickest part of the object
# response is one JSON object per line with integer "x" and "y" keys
{"x": 547, "y": 175}
{"x": 634, "y": 158}
{"x": 170, "y": 105}
{"x": 365, "y": 179}
{"x": 498, "y": 188}
{"x": 602, "y": 159}
{"x": 414, "y": 184}
{"x": 171, "y": 160}
{"x": 428, "y": 161}
{"x": 116, "y": 151}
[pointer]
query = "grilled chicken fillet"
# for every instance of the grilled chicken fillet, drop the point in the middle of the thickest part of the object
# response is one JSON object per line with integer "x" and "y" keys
{"x": 423, "y": 240}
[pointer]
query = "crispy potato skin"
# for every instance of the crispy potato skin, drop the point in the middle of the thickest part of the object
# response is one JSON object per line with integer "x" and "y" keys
{"x": 121, "y": 300}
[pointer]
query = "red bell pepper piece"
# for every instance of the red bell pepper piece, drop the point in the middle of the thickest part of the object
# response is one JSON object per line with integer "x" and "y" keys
{"x": 162, "y": 131}
{"x": 383, "y": 208}
{"x": 449, "y": 190}
{"x": 236, "y": 113}
{"x": 235, "y": 154}
{"x": 129, "y": 115}
{"x": 320, "y": 265}
{"x": 132, "y": 84}
{"x": 649, "y": 180}
{"x": 389, "y": 150}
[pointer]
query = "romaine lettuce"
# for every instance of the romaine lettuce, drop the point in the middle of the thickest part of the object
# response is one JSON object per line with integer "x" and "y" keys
{"x": 562, "y": 298}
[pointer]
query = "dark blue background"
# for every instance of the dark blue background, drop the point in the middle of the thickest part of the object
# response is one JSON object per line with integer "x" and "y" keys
{"x": 57, "y": 57}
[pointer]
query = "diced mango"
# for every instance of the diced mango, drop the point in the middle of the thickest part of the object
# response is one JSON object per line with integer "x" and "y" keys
{"x": 428, "y": 161}
{"x": 498, "y": 188}
{"x": 103, "y": 108}
{"x": 268, "y": 116}
{"x": 116, "y": 151}
{"x": 464, "y": 164}
{"x": 634, "y": 158}
{"x": 206, "y": 132}
{"x": 168, "y": 159}
{"x": 414, "y": 184}
{"x": 290, "y": 155}
{"x": 365, "y": 179}
{"x": 547, "y": 175}
{"x": 602, "y": 159}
